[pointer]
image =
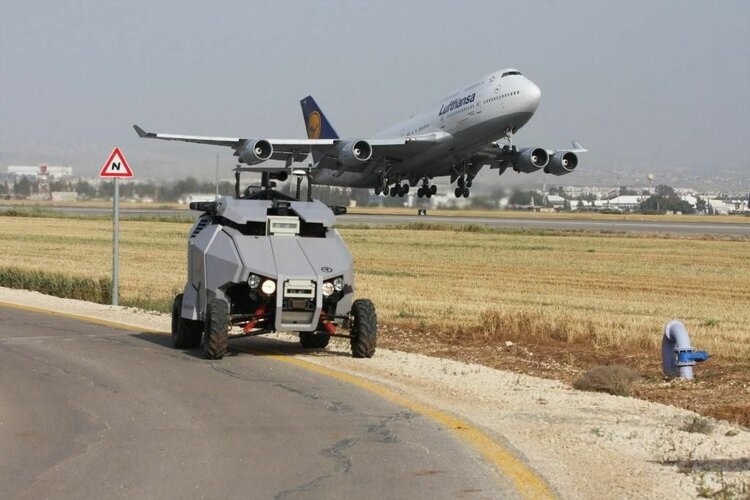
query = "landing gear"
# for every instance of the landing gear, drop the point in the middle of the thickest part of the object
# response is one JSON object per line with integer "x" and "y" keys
{"x": 399, "y": 190}
{"x": 427, "y": 190}
{"x": 463, "y": 186}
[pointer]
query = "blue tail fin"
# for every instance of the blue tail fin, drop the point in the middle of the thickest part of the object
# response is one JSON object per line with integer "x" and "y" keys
{"x": 318, "y": 126}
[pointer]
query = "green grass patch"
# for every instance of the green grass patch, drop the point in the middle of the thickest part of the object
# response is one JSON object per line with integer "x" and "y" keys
{"x": 59, "y": 285}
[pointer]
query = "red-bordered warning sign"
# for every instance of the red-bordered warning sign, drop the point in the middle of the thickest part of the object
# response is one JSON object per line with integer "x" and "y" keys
{"x": 116, "y": 165}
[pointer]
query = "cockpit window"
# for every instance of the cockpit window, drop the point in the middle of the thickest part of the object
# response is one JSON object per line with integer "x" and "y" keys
{"x": 508, "y": 73}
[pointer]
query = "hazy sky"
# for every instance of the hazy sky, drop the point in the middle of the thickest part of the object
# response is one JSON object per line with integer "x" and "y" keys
{"x": 644, "y": 85}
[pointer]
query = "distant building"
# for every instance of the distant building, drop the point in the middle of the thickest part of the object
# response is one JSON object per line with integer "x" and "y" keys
{"x": 625, "y": 203}
{"x": 553, "y": 200}
{"x": 53, "y": 171}
{"x": 189, "y": 198}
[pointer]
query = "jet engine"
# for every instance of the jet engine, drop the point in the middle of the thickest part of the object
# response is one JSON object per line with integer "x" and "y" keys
{"x": 255, "y": 152}
{"x": 355, "y": 152}
{"x": 561, "y": 163}
{"x": 531, "y": 159}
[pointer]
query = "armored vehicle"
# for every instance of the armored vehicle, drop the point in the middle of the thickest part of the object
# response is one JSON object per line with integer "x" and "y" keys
{"x": 266, "y": 262}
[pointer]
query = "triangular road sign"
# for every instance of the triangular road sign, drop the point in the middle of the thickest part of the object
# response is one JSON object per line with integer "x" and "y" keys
{"x": 116, "y": 166}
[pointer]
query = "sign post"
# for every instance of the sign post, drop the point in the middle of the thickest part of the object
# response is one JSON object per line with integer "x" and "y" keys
{"x": 116, "y": 167}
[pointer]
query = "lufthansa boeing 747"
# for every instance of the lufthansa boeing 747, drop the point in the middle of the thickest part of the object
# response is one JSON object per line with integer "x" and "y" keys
{"x": 469, "y": 129}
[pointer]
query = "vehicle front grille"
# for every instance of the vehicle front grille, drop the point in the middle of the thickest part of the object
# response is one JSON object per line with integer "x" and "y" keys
{"x": 299, "y": 289}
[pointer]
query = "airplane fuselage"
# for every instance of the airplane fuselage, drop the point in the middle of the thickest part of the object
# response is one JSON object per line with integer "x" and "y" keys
{"x": 466, "y": 120}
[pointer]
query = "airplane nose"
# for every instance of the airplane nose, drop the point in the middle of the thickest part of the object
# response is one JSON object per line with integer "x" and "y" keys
{"x": 533, "y": 95}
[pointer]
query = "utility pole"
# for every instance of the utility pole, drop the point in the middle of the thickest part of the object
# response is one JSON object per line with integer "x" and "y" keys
{"x": 217, "y": 176}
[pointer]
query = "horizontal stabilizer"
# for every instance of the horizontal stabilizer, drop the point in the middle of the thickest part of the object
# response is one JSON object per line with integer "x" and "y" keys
{"x": 578, "y": 148}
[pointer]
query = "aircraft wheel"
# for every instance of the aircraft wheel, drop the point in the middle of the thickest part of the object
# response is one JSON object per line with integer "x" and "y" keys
{"x": 420, "y": 192}
{"x": 461, "y": 182}
{"x": 468, "y": 184}
{"x": 377, "y": 191}
{"x": 428, "y": 195}
{"x": 458, "y": 192}
{"x": 433, "y": 189}
{"x": 404, "y": 189}
{"x": 393, "y": 191}
{"x": 466, "y": 192}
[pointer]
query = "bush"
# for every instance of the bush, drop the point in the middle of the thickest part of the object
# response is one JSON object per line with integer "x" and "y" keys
{"x": 57, "y": 284}
{"x": 612, "y": 379}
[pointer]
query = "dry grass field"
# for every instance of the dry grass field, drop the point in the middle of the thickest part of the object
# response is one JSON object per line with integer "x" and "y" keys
{"x": 570, "y": 299}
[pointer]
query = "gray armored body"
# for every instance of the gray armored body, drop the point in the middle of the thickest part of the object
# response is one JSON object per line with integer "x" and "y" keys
{"x": 269, "y": 263}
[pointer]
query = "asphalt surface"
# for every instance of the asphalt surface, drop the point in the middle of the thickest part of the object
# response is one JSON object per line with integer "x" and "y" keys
{"x": 88, "y": 411}
{"x": 622, "y": 226}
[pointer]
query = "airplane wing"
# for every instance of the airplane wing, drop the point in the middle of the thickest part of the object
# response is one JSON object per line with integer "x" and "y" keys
{"x": 350, "y": 153}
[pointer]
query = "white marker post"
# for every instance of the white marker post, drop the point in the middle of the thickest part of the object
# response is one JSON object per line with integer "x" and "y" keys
{"x": 116, "y": 167}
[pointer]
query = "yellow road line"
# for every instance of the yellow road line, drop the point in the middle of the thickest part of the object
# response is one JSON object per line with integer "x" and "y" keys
{"x": 525, "y": 480}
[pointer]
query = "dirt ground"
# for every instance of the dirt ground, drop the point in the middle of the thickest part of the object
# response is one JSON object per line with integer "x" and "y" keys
{"x": 721, "y": 388}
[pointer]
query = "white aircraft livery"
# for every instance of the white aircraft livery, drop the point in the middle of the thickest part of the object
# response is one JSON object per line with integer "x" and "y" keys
{"x": 456, "y": 137}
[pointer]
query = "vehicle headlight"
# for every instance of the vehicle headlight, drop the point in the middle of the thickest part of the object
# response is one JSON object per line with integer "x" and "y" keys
{"x": 338, "y": 284}
{"x": 268, "y": 287}
{"x": 253, "y": 280}
{"x": 327, "y": 289}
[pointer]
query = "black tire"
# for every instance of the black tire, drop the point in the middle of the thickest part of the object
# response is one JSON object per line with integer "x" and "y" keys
{"x": 433, "y": 189}
{"x": 186, "y": 333}
{"x": 313, "y": 340}
{"x": 364, "y": 329}
{"x": 217, "y": 329}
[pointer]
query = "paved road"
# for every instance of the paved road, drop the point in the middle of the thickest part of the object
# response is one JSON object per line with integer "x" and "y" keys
{"x": 88, "y": 411}
{"x": 628, "y": 226}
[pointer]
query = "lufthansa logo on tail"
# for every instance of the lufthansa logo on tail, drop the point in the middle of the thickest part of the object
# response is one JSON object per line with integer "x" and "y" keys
{"x": 313, "y": 125}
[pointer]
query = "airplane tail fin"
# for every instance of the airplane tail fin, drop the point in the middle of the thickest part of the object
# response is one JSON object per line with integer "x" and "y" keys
{"x": 318, "y": 126}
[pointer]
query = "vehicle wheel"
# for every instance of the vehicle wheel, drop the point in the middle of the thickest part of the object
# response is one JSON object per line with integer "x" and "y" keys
{"x": 312, "y": 340}
{"x": 364, "y": 330}
{"x": 433, "y": 189}
{"x": 466, "y": 192}
{"x": 393, "y": 191}
{"x": 217, "y": 329}
{"x": 186, "y": 333}
{"x": 420, "y": 192}
{"x": 458, "y": 192}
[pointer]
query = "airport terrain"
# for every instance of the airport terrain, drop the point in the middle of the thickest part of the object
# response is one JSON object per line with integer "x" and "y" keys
{"x": 562, "y": 221}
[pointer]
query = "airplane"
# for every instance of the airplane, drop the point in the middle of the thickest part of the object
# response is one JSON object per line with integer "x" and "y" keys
{"x": 456, "y": 137}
